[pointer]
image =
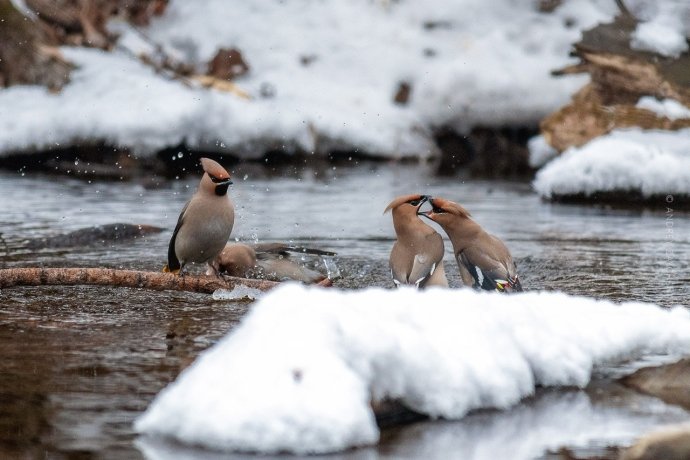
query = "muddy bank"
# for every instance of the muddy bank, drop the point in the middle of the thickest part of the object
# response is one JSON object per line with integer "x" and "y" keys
{"x": 484, "y": 152}
{"x": 628, "y": 200}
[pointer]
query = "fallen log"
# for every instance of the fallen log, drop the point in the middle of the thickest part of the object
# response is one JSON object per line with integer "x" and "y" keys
{"x": 158, "y": 281}
{"x": 620, "y": 76}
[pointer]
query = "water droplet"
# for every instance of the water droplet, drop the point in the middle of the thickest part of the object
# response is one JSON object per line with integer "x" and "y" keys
{"x": 180, "y": 154}
{"x": 246, "y": 176}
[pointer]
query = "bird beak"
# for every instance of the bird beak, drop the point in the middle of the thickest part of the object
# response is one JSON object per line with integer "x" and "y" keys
{"x": 425, "y": 199}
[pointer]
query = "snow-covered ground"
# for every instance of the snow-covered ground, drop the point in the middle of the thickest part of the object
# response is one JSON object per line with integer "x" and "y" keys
{"x": 331, "y": 70}
{"x": 323, "y": 77}
{"x": 644, "y": 163}
{"x": 300, "y": 371}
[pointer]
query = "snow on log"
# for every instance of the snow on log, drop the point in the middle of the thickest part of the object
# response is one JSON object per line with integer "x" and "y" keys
{"x": 620, "y": 75}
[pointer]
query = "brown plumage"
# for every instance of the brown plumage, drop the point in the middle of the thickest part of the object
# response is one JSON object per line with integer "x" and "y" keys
{"x": 205, "y": 222}
{"x": 268, "y": 261}
{"x": 417, "y": 255}
{"x": 483, "y": 259}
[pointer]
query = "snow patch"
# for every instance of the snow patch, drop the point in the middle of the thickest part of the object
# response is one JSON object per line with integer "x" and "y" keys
{"x": 299, "y": 372}
{"x": 669, "y": 108}
{"x": 540, "y": 152}
{"x": 237, "y": 293}
{"x": 635, "y": 161}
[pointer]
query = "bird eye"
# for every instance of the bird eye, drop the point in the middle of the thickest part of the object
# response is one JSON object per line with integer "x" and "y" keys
{"x": 438, "y": 210}
{"x": 214, "y": 179}
{"x": 414, "y": 202}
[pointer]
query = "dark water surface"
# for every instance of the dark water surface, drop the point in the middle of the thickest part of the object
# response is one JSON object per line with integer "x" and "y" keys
{"x": 79, "y": 364}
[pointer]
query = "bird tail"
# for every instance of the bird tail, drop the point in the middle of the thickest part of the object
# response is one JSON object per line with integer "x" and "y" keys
{"x": 509, "y": 285}
{"x": 515, "y": 284}
{"x": 174, "y": 271}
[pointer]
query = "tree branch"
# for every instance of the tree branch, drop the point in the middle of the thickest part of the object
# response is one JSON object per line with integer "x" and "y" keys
{"x": 12, "y": 277}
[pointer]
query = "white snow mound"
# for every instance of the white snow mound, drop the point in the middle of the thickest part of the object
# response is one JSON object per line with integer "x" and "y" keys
{"x": 635, "y": 161}
{"x": 300, "y": 371}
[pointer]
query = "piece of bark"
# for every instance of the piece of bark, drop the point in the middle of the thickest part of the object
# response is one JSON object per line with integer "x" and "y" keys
{"x": 159, "y": 281}
{"x": 227, "y": 64}
{"x": 226, "y": 86}
{"x": 402, "y": 93}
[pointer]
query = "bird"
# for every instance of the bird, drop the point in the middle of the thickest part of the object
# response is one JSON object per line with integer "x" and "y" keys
{"x": 417, "y": 255}
{"x": 483, "y": 259}
{"x": 269, "y": 261}
{"x": 205, "y": 222}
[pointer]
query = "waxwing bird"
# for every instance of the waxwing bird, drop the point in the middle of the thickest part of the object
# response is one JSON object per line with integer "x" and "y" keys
{"x": 417, "y": 255}
{"x": 483, "y": 259}
{"x": 205, "y": 222}
{"x": 268, "y": 261}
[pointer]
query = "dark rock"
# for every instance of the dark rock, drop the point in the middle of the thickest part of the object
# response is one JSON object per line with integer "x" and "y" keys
{"x": 671, "y": 443}
{"x": 91, "y": 236}
{"x": 670, "y": 382}
{"x": 485, "y": 152}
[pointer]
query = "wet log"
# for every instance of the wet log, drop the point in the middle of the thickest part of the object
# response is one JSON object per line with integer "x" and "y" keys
{"x": 620, "y": 75}
{"x": 158, "y": 281}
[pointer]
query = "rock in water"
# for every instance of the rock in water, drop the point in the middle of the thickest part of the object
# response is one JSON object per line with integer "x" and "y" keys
{"x": 92, "y": 236}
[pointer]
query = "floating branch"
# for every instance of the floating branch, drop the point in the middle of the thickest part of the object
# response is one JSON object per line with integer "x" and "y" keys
{"x": 12, "y": 277}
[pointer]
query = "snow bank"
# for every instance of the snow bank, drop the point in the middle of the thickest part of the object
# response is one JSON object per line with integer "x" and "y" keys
{"x": 630, "y": 161}
{"x": 298, "y": 374}
{"x": 525, "y": 432}
{"x": 332, "y": 71}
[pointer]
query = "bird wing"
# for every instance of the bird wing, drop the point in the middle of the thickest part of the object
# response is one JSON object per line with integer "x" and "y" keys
{"x": 427, "y": 260}
{"x": 173, "y": 261}
{"x": 488, "y": 271}
{"x": 285, "y": 249}
{"x": 284, "y": 269}
{"x": 422, "y": 269}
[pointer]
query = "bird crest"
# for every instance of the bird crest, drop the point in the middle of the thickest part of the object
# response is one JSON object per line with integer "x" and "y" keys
{"x": 450, "y": 207}
{"x": 403, "y": 199}
{"x": 214, "y": 169}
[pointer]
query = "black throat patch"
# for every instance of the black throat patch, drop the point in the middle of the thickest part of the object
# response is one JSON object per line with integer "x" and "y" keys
{"x": 222, "y": 189}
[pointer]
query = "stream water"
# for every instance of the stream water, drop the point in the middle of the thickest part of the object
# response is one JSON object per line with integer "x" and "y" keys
{"x": 79, "y": 364}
